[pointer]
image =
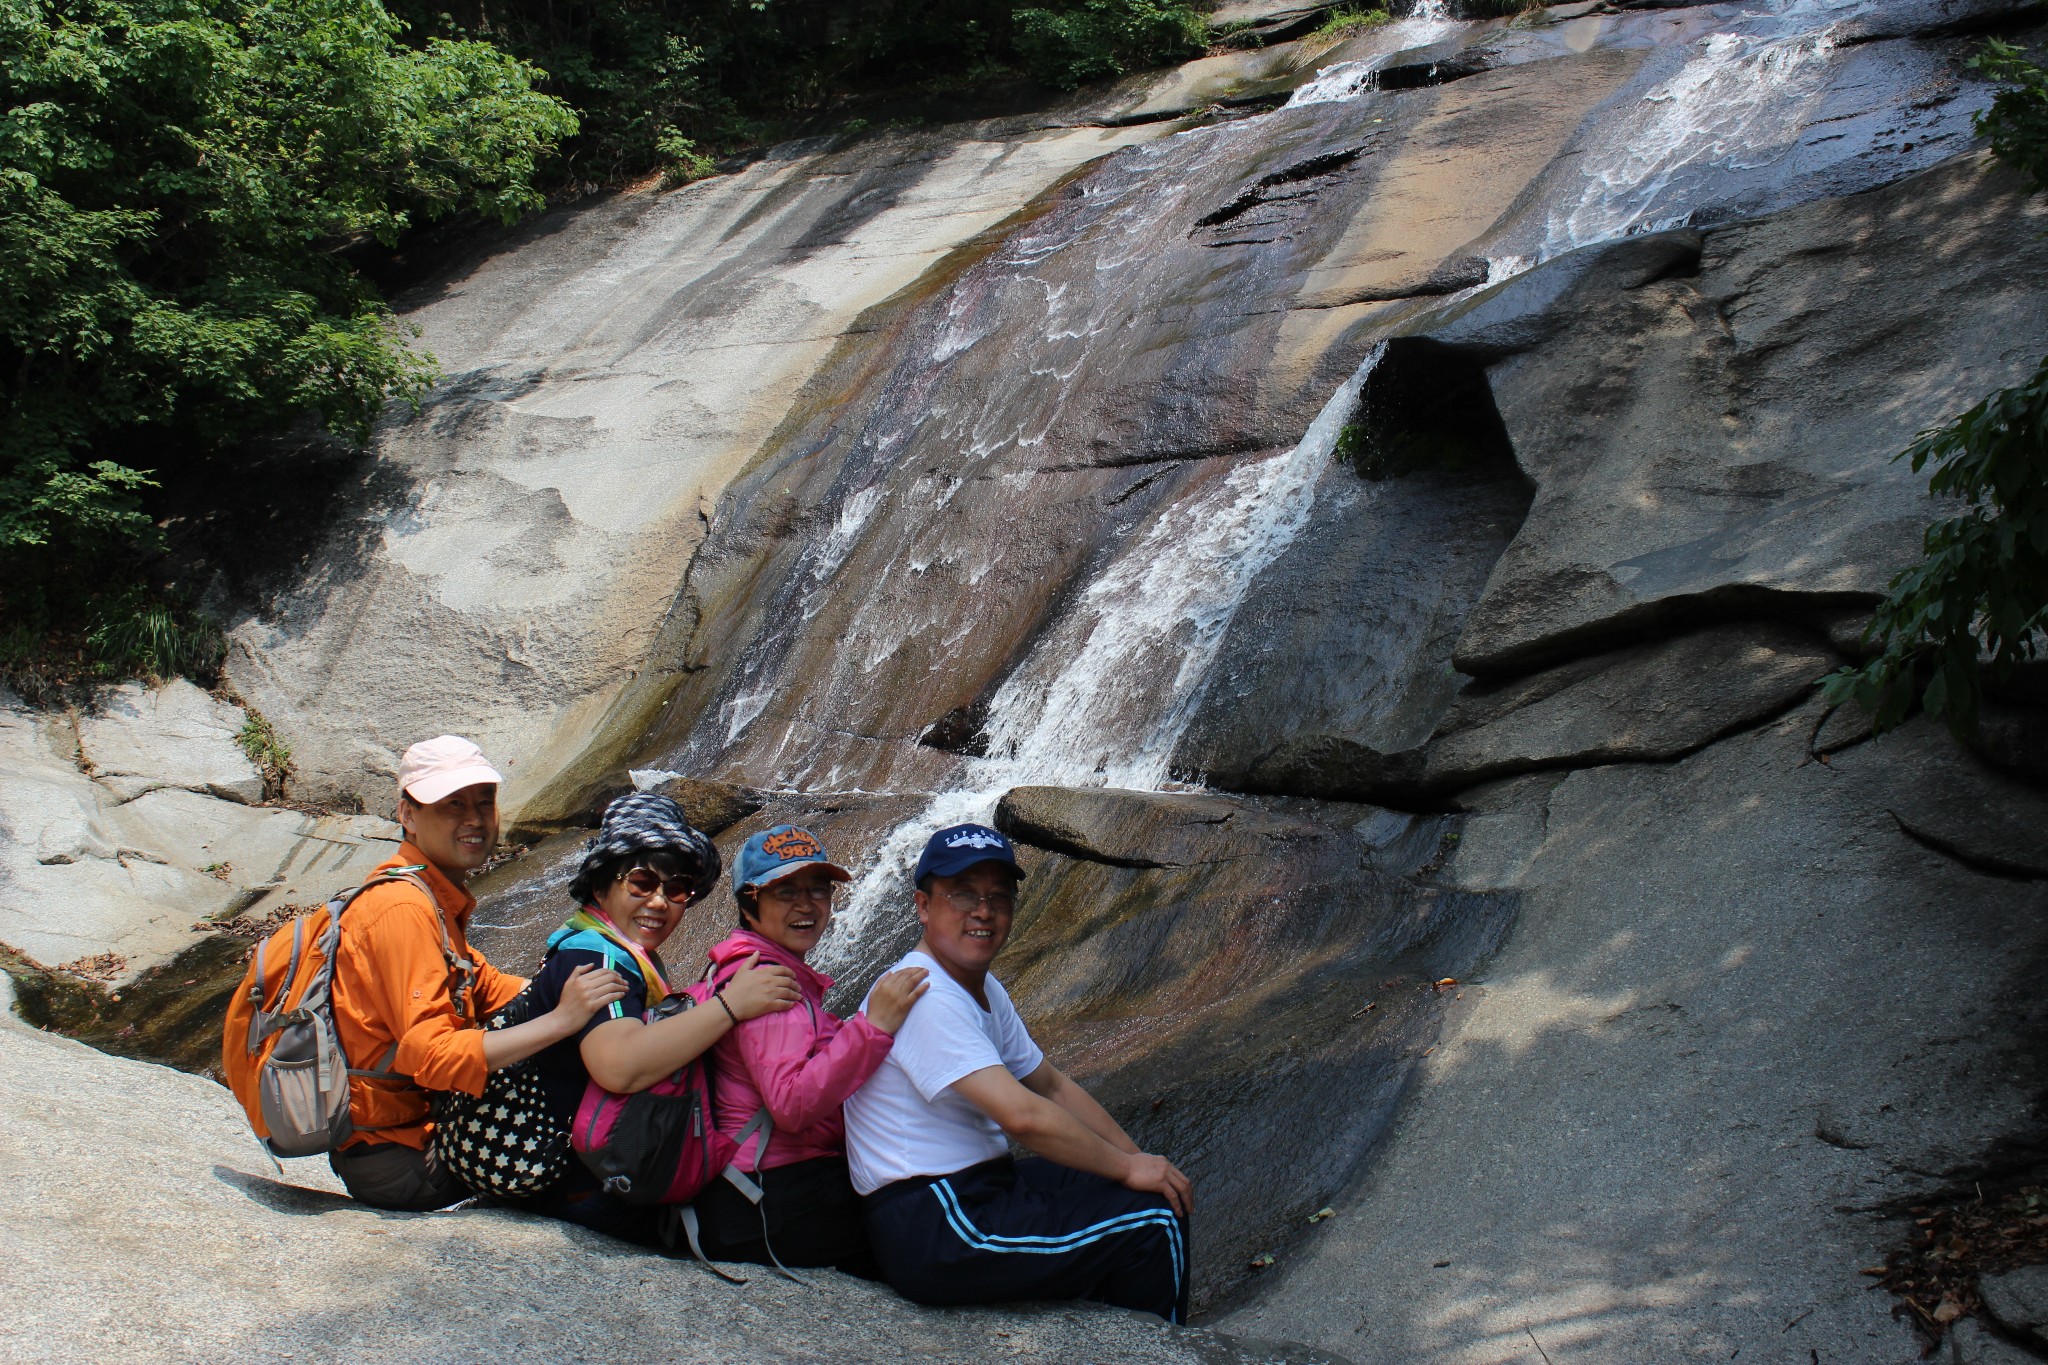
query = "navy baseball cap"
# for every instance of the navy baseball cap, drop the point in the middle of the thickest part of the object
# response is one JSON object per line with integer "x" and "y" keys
{"x": 775, "y": 853}
{"x": 956, "y": 848}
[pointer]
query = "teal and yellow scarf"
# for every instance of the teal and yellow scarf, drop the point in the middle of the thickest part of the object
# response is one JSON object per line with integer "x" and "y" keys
{"x": 591, "y": 920}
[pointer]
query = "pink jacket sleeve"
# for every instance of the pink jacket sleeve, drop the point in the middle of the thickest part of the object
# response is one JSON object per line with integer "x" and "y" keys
{"x": 801, "y": 1090}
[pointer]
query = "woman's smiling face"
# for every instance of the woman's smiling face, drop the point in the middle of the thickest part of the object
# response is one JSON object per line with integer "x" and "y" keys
{"x": 795, "y": 910}
{"x": 638, "y": 901}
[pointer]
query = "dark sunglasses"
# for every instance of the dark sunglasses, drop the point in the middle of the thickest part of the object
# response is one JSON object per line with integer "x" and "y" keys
{"x": 643, "y": 881}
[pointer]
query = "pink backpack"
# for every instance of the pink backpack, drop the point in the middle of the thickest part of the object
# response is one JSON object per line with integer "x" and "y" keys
{"x": 659, "y": 1146}
{"x": 662, "y": 1145}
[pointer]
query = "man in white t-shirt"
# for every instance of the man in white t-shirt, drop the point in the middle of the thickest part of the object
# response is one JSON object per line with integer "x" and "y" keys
{"x": 953, "y": 1219}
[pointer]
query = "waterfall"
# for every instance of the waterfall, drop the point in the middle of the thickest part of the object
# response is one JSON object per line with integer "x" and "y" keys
{"x": 1105, "y": 689}
{"x": 1107, "y": 694}
{"x": 1738, "y": 102}
{"x": 1427, "y": 22}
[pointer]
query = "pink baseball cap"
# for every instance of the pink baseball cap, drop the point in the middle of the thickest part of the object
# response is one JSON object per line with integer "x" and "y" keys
{"x": 436, "y": 768}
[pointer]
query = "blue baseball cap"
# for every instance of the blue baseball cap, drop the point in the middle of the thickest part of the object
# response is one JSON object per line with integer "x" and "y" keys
{"x": 956, "y": 848}
{"x": 775, "y": 853}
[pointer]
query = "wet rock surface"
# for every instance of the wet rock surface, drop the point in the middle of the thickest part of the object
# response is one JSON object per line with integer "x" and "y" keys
{"x": 523, "y": 536}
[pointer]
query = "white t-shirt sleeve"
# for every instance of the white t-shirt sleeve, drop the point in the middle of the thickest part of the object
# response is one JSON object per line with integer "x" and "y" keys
{"x": 941, "y": 1041}
{"x": 1020, "y": 1054}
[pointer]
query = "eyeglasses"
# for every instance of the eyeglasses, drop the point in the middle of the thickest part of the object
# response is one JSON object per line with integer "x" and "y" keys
{"x": 644, "y": 882}
{"x": 998, "y": 903}
{"x": 789, "y": 895}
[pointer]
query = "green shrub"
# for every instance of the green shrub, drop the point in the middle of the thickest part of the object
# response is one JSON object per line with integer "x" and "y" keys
{"x": 180, "y": 182}
{"x": 1348, "y": 22}
{"x": 681, "y": 161}
{"x": 271, "y": 755}
{"x": 1981, "y": 589}
{"x": 133, "y": 636}
{"x": 1093, "y": 39}
{"x": 1978, "y": 598}
{"x": 2017, "y": 121}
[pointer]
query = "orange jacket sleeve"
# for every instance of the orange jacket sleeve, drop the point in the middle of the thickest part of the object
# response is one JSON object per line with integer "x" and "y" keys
{"x": 494, "y": 989}
{"x": 401, "y": 977}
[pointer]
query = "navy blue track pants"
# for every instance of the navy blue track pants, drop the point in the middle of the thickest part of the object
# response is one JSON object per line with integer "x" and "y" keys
{"x": 1007, "y": 1230}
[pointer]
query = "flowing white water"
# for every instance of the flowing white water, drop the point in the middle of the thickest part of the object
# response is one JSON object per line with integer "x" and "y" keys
{"x": 1107, "y": 694}
{"x": 1739, "y": 102}
{"x": 1427, "y": 22}
{"x": 1108, "y": 691}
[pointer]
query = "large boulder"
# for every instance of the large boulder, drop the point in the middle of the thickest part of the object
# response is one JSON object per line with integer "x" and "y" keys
{"x": 1650, "y": 703}
{"x": 1723, "y": 436}
{"x": 138, "y": 739}
{"x": 144, "y": 1221}
{"x": 1742, "y": 1018}
{"x": 1349, "y": 633}
{"x": 1217, "y": 969}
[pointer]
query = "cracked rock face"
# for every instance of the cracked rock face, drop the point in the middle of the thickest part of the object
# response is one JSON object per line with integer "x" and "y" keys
{"x": 128, "y": 859}
{"x": 1649, "y": 704}
{"x": 141, "y": 739}
{"x": 1724, "y": 436}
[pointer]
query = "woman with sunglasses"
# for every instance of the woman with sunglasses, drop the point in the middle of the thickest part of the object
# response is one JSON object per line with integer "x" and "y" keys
{"x": 646, "y": 866}
{"x": 797, "y": 1067}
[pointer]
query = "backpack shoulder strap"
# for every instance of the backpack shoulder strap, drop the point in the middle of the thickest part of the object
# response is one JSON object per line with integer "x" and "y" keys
{"x": 461, "y": 969}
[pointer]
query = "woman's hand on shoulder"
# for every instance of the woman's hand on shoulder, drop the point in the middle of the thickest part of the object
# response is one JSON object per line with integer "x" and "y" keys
{"x": 890, "y": 1001}
{"x": 755, "y": 990}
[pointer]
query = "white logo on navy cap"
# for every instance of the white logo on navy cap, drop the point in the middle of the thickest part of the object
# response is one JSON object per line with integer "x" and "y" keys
{"x": 976, "y": 838}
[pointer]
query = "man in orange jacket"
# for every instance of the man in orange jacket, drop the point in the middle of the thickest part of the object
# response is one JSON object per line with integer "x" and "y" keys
{"x": 410, "y": 996}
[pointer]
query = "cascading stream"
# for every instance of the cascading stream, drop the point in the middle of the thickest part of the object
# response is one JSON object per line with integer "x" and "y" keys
{"x": 1738, "y": 102}
{"x": 1107, "y": 690}
{"x": 1105, "y": 697}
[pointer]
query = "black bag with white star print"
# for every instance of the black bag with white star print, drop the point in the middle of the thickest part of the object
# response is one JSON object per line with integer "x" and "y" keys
{"x": 505, "y": 1142}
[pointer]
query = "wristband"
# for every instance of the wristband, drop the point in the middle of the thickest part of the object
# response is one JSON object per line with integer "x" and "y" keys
{"x": 719, "y": 996}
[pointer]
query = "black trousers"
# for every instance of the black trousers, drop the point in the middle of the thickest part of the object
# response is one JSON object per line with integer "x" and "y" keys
{"x": 808, "y": 1214}
{"x": 391, "y": 1175}
{"x": 1006, "y": 1230}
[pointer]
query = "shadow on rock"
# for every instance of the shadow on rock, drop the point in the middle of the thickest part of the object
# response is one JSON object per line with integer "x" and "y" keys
{"x": 281, "y": 1197}
{"x": 1251, "y": 1004}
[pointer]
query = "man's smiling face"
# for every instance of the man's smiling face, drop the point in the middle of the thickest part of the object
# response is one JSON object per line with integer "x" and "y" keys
{"x": 966, "y": 918}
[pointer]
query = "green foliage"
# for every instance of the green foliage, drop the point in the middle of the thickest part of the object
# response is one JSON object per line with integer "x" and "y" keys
{"x": 725, "y": 75}
{"x": 135, "y": 635}
{"x": 1981, "y": 590}
{"x": 681, "y": 162}
{"x": 1093, "y": 39}
{"x": 1348, "y": 21}
{"x": 271, "y": 755}
{"x": 1978, "y": 598}
{"x": 179, "y": 183}
{"x": 2017, "y": 121}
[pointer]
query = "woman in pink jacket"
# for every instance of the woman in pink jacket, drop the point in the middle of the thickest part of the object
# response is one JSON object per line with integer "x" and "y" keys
{"x": 789, "y": 1072}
